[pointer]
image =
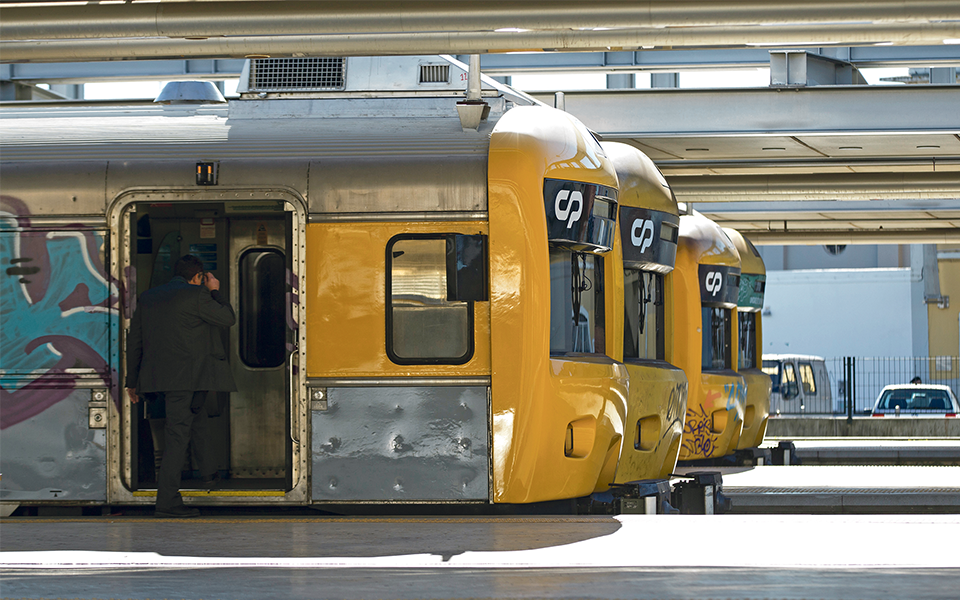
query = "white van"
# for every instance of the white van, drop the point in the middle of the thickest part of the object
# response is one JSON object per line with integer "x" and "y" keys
{"x": 800, "y": 384}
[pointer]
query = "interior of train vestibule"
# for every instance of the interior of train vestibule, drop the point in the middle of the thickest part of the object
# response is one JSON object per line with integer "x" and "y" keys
{"x": 247, "y": 246}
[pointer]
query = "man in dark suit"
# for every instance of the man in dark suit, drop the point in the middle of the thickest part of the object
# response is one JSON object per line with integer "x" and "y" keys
{"x": 175, "y": 347}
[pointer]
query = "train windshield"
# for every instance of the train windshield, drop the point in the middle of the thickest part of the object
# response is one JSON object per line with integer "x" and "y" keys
{"x": 747, "y": 322}
{"x": 643, "y": 332}
{"x": 716, "y": 338}
{"x": 576, "y": 302}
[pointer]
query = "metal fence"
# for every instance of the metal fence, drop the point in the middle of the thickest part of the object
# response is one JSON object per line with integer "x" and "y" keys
{"x": 848, "y": 385}
{"x": 862, "y": 378}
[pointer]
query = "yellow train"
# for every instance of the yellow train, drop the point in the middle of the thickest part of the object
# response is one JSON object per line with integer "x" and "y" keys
{"x": 753, "y": 279}
{"x": 649, "y": 227}
{"x": 429, "y": 310}
{"x": 705, "y": 288}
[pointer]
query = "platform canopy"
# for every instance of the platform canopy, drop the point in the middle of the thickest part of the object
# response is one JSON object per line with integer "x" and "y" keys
{"x": 65, "y": 30}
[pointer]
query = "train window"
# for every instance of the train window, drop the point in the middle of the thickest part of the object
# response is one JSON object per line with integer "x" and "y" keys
{"x": 789, "y": 376}
{"x": 423, "y": 327}
{"x": 643, "y": 315}
{"x": 807, "y": 379}
{"x": 747, "y": 322}
{"x": 576, "y": 302}
{"x": 262, "y": 308}
{"x": 716, "y": 338}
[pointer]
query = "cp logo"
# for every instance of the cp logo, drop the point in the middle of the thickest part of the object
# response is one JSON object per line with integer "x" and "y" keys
{"x": 713, "y": 281}
{"x": 642, "y": 234}
{"x": 568, "y": 213}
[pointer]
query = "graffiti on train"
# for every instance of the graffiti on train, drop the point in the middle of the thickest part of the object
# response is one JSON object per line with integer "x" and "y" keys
{"x": 736, "y": 393}
{"x": 56, "y": 307}
{"x": 698, "y": 436}
{"x": 676, "y": 403}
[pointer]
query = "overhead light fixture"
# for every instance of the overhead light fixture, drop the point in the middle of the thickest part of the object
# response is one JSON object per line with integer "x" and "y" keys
{"x": 851, "y": 147}
{"x": 929, "y": 147}
{"x": 698, "y": 149}
{"x": 952, "y": 41}
{"x": 775, "y": 149}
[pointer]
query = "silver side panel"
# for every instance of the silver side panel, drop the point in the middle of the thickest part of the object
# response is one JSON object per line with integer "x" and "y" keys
{"x": 241, "y": 179}
{"x": 54, "y": 455}
{"x": 70, "y": 188}
{"x": 408, "y": 184}
{"x": 406, "y": 444}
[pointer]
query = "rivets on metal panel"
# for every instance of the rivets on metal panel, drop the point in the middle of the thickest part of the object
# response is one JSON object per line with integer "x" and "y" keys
{"x": 398, "y": 445}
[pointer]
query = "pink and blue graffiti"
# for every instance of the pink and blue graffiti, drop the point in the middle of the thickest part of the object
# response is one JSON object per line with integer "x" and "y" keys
{"x": 56, "y": 310}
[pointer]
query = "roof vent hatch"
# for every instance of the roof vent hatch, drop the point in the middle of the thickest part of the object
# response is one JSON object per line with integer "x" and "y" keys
{"x": 190, "y": 92}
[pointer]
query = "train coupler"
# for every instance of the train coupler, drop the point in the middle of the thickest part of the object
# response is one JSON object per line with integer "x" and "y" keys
{"x": 702, "y": 495}
{"x": 754, "y": 457}
{"x": 785, "y": 454}
{"x": 644, "y": 497}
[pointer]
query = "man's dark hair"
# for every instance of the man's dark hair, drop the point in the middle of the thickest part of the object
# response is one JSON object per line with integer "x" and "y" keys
{"x": 188, "y": 266}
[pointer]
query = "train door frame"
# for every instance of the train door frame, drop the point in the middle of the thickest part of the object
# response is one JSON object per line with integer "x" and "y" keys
{"x": 120, "y": 450}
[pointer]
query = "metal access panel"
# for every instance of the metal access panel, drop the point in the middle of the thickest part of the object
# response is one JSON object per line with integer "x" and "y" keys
{"x": 406, "y": 444}
{"x": 54, "y": 454}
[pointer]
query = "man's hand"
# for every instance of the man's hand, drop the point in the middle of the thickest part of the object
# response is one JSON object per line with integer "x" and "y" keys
{"x": 132, "y": 392}
{"x": 211, "y": 281}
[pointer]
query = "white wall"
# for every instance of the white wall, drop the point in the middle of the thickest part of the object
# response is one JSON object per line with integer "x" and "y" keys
{"x": 839, "y": 312}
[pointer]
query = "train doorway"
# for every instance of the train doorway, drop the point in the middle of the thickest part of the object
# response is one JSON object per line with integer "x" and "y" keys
{"x": 248, "y": 247}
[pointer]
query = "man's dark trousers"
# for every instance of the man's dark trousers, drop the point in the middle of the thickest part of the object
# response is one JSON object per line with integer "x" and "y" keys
{"x": 183, "y": 426}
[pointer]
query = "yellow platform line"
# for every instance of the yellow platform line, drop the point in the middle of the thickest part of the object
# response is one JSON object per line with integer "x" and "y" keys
{"x": 205, "y": 493}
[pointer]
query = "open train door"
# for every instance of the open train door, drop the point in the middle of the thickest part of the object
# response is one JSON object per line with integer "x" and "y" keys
{"x": 252, "y": 248}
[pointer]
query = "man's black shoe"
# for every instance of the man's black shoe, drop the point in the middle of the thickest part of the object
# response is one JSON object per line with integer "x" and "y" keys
{"x": 212, "y": 481}
{"x": 177, "y": 512}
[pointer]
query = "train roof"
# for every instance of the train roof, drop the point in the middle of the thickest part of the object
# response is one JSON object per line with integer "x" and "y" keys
{"x": 705, "y": 242}
{"x": 382, "y": 108}
{"x": 641, "y": 182}
{"x": 750, "y": 260}
{"x": 259, "y": 128}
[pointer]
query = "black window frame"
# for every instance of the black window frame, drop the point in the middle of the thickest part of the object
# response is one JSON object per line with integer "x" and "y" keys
{"x": 747, "y": 322}
{"x": 597, "y": 287}
{"x": 242, "y": 309}
{"x": 724, "y": 344}
{"x": 388, "y": 303}
{"x": 658, "y": 303}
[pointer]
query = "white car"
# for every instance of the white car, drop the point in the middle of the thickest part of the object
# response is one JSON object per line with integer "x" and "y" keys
{"x": 916, "y": 399}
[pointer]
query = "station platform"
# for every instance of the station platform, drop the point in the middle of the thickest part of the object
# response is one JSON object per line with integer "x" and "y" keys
{"x": 863, "y": 489}
{"x": 873, "y": 451}
{"x": 628, "y": 556}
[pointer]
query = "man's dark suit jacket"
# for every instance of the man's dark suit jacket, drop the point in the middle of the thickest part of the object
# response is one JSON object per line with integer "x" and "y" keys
{"x": 174, "y": 342}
